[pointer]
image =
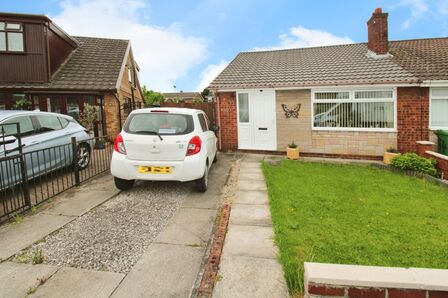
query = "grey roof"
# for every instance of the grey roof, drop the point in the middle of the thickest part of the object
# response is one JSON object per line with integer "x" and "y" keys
{"x": 350, "y": 64}
{"x": 95, "y": 65}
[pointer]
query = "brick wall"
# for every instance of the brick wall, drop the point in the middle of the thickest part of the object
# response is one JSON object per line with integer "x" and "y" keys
{"x": 413, "y": 117}
{"x": 378, "y": 40}
{"x": 325, "y": 143}
{"x": 425, "y": 149}
{"x": 322, "y": 290}
{"x": 111, "y": 116}
{"x": 353, "y": 281}
{"x": 228, "y": 120}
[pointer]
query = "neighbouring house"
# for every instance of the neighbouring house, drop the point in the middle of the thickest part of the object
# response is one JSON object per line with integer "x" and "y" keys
{"x": 46, "y": 68}
{"x": 352, "y": 101}
{"x": 187, "y": 97}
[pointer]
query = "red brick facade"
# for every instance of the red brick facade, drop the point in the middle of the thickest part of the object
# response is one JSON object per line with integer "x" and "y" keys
{"x": 323, "y": 290}
{"x": 226, "y": 104}
{"x": 413, "y": 117}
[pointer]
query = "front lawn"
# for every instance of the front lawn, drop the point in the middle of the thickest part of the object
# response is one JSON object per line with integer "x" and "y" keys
{"x": 348, "y": 214}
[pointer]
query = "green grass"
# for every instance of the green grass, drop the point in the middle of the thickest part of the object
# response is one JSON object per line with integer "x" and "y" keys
{"x": 350, "y": 214}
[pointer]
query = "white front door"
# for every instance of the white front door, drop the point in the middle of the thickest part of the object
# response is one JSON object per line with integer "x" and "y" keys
{"x": 256, "y": 120}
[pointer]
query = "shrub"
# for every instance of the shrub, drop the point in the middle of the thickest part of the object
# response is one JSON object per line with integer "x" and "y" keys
{"x": 414, "y": 162}
{"x": 292, "y": 145}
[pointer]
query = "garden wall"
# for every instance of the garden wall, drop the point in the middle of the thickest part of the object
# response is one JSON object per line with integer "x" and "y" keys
{"x": 333, "y": 280}
{"x": 424, "y": 148}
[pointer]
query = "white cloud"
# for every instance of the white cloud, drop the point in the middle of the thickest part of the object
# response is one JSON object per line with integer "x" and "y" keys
{"x": 301, "y": 37}
{"x": 418, "y": 8}
{"x": 164, "y": 54}
{"x": 210, "y": 73}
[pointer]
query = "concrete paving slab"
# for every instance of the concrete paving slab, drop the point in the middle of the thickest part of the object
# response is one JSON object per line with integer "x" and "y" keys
{"x": 82, "y": 202}
{"x": 252, "y": 215}
{"x": 250, "y": 171}
{"x": 251, "y": 185}
{"x": 251, "y": 176}
{"x": 250, "y": 277}
{"x": 250, "y": 241}
{"x": 251, "y": 197}
{"x": 16, "y": 280}
{"x": 190, "y": 226}
{"x": 77, "y": 201}
{"x": 201, "y": 201}
{"x": 164, "y": 271}
{"x": 250, "y": 164}
{"x": 15, "y": 237}
{"x": 73, "y": 282}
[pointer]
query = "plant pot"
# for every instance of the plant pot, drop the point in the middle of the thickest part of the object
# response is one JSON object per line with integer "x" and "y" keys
{"x": 387, "y": 157}
{"x": 292, "y": 153}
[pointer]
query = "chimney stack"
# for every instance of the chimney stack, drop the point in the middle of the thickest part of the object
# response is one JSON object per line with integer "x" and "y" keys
{"x": 378, "y": 41}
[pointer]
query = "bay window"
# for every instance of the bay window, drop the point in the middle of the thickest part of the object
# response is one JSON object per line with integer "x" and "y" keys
{"x": 439, "y": 108}
{"x": 369, "y": 110}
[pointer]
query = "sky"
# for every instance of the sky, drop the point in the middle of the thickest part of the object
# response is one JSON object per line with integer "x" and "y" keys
{"x": 183, "y": 45}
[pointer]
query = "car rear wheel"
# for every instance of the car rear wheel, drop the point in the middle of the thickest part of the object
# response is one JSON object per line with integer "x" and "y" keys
{"x": 83, "y": 156}
{"x": 123, "y": 184}
{"x": 202, "y": 184}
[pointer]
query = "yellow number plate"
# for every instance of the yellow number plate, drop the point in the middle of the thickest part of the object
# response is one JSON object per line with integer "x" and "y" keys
{"x": 154, "y": 170}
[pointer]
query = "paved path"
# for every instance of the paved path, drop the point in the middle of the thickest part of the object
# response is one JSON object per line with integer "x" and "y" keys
{"x": 171, "y": 265}
{"x": 249, "y": 266}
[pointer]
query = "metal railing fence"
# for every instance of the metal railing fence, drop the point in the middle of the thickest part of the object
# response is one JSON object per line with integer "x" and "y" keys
{"x": 30, "y": 178}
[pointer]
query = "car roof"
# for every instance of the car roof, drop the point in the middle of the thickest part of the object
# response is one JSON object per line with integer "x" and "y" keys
{"x": 184, "y": 111}
{"x": 10, "y": 113}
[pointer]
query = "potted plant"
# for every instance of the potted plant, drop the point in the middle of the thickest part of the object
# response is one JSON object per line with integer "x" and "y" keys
{"x": 100, "y": 143}
{"x": 292, "y": 152}
{"x": 22, "y": 104}
{"x": 87, "y": 116}
{"x": 389, "y": 154}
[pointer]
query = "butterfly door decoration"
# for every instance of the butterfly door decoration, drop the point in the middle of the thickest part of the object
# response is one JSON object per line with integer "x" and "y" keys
{"x": 294, "y": 112}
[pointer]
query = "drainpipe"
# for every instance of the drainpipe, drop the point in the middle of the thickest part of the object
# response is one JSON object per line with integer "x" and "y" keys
{"x": 119, "y": 110}
{"x": 218, "y": 114}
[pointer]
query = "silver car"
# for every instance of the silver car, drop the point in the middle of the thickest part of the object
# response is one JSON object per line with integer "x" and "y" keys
{"x": 45, "y": 139}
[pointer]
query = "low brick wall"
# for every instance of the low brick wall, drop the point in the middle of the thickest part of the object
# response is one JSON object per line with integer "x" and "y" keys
{"x": 424, "y": 148}
{"x": 333, "y": 280}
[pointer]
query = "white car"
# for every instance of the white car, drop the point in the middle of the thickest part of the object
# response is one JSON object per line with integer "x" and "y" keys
{"x": 164, "y": 144}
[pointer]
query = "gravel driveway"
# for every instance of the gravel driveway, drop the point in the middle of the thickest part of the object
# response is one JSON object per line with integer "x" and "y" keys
{"x": 113, "y": 236}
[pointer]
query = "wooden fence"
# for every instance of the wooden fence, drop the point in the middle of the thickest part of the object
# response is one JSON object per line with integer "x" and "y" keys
{"x": 207, "y": 107}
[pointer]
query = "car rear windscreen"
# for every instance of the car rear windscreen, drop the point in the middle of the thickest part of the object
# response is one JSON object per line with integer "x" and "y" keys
{"x": 161, "y": 123}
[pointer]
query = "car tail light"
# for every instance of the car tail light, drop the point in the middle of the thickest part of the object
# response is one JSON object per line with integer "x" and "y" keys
{"x": 159, "y": 111}
{"x": 194, "y": 146}
{"x": 119, "y": 144}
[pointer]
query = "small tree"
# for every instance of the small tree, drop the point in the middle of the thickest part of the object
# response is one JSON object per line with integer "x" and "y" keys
{"x": 151, "y": 97}
{"x": 87, "y": 116}
{"x": 22, "y": 104}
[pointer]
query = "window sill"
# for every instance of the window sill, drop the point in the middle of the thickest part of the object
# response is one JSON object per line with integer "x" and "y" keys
{"x": 434, "y": 128}
{"x": 341, "y": 129}
{"x": 12, "y": 53}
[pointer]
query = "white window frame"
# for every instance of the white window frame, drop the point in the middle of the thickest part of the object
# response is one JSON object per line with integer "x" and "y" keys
{"x": 431, "y": 97}
{"x": 353, "y": 99}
